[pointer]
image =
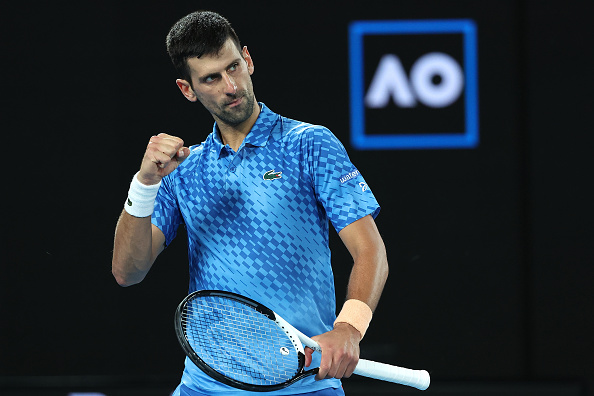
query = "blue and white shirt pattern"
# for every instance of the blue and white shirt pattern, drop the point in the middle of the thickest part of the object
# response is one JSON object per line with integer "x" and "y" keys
{"x": 258, "y": 222}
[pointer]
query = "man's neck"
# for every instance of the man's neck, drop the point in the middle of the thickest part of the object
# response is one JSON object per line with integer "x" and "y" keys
{"x": 233, "y": 135}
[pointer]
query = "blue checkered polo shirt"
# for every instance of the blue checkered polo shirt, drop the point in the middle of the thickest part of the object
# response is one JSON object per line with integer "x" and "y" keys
{"x": 258, "y": 221}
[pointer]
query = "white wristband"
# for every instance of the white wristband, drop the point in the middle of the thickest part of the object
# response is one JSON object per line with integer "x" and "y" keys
{"x": 141, "y": 198}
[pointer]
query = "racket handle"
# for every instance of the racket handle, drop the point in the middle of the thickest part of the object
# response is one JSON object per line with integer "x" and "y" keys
{"x": 399, "y": 375}
{"x": 416, "y": 378}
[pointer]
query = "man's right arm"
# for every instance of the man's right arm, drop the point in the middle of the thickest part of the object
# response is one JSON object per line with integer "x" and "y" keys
{"x": 137, "y": 242}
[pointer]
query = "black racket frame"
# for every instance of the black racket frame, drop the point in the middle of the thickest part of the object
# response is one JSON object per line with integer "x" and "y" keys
{"x": 189, "y": 351}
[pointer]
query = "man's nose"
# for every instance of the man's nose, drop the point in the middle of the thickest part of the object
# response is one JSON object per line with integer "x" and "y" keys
{"x": 230, "y": 86}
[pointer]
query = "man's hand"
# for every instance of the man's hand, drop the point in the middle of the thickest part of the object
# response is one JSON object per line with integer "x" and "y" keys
{"x": 163, "y": 154}
{"x": 340, "y": 352}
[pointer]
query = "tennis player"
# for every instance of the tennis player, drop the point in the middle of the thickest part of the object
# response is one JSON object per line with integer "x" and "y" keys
{"x": 256, "y": 198}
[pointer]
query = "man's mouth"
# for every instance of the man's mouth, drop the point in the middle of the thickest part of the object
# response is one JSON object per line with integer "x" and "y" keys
{"x": 235, "y": 102}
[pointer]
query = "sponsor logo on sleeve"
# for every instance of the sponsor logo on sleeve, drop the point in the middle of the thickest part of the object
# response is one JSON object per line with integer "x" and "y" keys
{"x": 349, "y": 176}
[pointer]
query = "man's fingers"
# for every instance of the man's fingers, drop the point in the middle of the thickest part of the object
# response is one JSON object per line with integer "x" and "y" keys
{"x": 162, "y": 148}
{"x": 336, "y": 364}
{"x": 335, "y": 370}
{"x": 163, "y": 154}
{"x": 165, "y": 137}
{"x": 325, "y": 366}
{"x": 182, "y": 154}
{"x": 170, "y": 145}
{"x": 350, "y": 368}
{"x": 158, "y": 156}
{"x": 308, "y": 351}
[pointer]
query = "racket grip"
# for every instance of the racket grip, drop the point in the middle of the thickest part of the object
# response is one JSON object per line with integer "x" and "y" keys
{"x": 416, "y": 378}
{"x": 419, "y": 379}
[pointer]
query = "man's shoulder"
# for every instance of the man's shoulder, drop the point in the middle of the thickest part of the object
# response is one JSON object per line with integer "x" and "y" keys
{"x": 295, "y": 129}
{"x": 198, "y": 148}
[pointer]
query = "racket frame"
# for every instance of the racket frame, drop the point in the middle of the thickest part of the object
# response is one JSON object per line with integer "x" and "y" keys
{"x": 293, "y": 334}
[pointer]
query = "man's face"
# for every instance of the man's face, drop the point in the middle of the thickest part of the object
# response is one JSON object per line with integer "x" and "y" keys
{"x": 223, "y": 84}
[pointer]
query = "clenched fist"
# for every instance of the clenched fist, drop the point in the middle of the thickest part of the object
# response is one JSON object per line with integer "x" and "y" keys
{"x": 163, "y": 154}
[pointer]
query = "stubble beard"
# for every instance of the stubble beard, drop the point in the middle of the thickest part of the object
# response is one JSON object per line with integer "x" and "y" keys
{"x": 234, "y": 116}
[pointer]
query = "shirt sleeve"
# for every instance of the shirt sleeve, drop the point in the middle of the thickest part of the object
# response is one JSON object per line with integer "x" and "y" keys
{"x": 339, "y": 186}
{"x": 167, "y": 216}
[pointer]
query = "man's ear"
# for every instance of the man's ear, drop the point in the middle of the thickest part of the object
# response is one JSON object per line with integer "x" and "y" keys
{"x": 186, "y": 89}
{"x": 248, "y": 59}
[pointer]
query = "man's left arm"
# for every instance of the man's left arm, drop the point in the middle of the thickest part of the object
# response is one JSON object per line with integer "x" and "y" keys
{"x": 340, "y": 346}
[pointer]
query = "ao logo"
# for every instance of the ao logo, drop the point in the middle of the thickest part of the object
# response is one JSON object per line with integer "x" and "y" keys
{"x": 390, "y": 81}
{"x": 413, "y": 84}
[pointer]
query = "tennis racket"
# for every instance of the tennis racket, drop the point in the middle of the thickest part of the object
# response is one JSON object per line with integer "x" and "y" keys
{"x": 246, "y": 345}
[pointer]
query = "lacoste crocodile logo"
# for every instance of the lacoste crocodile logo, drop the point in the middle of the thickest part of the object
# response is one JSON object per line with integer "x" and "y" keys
{"x": 271, "y": 175}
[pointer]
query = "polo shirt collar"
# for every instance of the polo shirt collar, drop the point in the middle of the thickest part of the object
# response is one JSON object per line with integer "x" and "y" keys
{"x": 258, "y": 135}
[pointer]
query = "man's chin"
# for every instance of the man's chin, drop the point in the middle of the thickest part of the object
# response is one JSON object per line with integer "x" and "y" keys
{"x": 237, "y": 114}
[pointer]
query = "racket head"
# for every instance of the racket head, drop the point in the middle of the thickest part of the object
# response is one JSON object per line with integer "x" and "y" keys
{"x": 238, "y": 341}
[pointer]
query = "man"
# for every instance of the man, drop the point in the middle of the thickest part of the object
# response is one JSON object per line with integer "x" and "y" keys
{"x": 256, "y": 198}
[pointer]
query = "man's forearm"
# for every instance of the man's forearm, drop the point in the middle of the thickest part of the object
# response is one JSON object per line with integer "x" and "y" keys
{"x": 370, "y": 268}
{"x": 132, "y": 252}
{"x": 368, "y": 277}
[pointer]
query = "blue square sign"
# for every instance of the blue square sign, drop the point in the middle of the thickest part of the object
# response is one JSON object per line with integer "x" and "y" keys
{"x": 413, "y": 84}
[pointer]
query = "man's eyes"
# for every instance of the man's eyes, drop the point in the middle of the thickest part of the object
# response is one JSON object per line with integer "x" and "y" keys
{"x": 209, "y": 79}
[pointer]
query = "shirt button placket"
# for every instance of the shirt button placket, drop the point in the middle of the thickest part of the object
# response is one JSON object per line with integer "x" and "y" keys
{"x": 233, "y": 174}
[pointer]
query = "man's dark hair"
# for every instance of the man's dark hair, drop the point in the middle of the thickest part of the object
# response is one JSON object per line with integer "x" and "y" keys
{"x": 197, "y": 34}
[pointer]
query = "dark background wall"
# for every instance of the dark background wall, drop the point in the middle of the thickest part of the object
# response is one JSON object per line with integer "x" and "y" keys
{"x": 490, "y": 248}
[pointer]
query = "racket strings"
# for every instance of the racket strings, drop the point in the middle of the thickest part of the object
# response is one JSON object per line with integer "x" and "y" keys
{"x": 239, "y": 342}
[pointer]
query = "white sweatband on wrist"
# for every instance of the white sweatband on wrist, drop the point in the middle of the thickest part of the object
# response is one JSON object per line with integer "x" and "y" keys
{"x": 357, "y": 314}
{"x": 141, "y": 198}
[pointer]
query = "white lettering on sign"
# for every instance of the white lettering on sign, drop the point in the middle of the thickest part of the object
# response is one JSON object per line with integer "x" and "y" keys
{"x": 390, "y": 81}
